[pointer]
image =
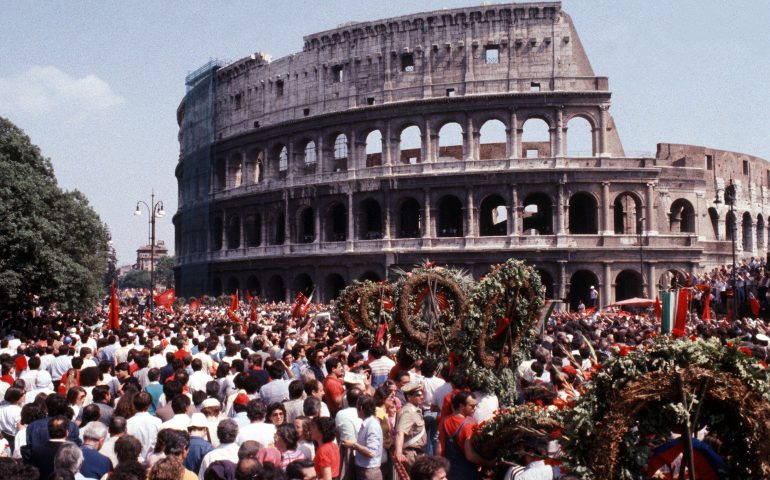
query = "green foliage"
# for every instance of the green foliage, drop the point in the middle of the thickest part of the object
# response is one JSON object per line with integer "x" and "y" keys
{"x": 53, "y": 247}
{"x": 112, "y": 269}
{"x": 164, "y": 271}
{"x": 135, "y": 279}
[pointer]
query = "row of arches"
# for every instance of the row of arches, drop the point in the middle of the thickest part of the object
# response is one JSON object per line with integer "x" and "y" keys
{"x": 411, "y": 143}
{"x": 752, "y": 234}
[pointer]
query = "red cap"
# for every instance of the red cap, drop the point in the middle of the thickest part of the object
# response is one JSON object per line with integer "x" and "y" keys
{"x": 241, "y": 399}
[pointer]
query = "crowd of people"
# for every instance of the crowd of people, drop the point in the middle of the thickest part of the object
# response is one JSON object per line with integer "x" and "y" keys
{"x": 188, "y": 395}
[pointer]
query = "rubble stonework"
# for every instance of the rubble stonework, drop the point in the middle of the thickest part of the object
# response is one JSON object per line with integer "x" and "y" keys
{"x": 331, "y": 164}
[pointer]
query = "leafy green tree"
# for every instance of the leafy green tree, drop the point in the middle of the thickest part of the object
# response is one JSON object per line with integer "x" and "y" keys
{"x": 112, "y": 268}
{"x": 135, "y": 279}
{"x": 53, "y": 248}
{"x": 164, "y": 271}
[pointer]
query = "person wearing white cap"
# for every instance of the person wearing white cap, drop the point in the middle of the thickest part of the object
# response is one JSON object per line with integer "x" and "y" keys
{"x": 200, "y": 443}
{"x": 593, "y": 296}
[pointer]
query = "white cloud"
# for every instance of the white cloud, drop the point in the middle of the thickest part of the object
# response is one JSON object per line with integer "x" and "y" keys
{"x": 46, "y": 90}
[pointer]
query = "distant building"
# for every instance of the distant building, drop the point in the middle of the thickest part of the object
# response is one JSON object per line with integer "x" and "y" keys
{"x": 144, "y": 255}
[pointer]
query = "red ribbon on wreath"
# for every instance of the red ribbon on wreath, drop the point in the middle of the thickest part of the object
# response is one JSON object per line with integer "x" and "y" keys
{"x": 504, "y": 323}
{"x": 441, "y": 300}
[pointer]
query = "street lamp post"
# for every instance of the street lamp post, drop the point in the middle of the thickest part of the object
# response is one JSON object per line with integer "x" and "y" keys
{"x": 154, "y": 210}
{"x": 730, "y": 200}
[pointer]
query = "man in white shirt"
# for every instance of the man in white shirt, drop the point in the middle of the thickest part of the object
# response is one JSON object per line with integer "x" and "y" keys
{"x": 263, "y": 433}
{"x": 430, "y": 409}
{"x": 10, "y": 413}
{"x": 348, "y": 424}
{"x": 180, "y": 421}
{"x": 227, "y": 432}
{"x": 142, "y": 425}
{"x": 199, "y": 378}
{"x": 60, "y": 364}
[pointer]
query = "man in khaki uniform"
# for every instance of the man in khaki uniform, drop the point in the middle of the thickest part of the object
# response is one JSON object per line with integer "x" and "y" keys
{"x": 411, "y": 436}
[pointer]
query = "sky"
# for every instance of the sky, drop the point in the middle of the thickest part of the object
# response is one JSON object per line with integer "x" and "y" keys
{"x": 96, "y": 84}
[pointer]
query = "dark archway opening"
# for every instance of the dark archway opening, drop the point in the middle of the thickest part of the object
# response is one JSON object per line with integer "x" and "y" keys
{"x": 628, "y": 284}
{"x": 371, "y": 276}
{"x": 217, "y": 232}
{"x": 333, "y": 285}
{"x": 216, "y": 287}
{"x": 682, "y": 217}
{"x": 537, "y": 215}
{"x": 409, "y": 219}
{"x": 748, "y": 238}
{"x": 450, "y": 217}
{"x": 627, "y": 213}
{"x": 371, "y": 216}
{"x": 253, "y": 287}
{"x": 582, "y": 214}
{"x": 580, "y": 289}
{"x": 234, "y": 233}
{"x": 493, "y": 218}
{"x": 546, "y": 280}
{"x": 233, "y": 285}
{"x": 304, "y": 284}
{"x": 306, "y": 231}
{"x": 276, "y": 290}
{"x": 337, "y": 224}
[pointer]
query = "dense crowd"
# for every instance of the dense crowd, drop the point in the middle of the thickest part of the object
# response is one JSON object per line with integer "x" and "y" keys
{"x": 202, "y": 394}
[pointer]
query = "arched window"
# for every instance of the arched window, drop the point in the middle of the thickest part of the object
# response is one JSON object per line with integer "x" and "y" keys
{"x": 217, "y": 232}
{"x": 580, "y": 289}
{"x": 236, "y": 171}
{"x": 535, "y": 139}
{"x": 216, "y": 287}
{"x": 234, "y": 232}
{"x": 450, "y": 217}
{"x": 682, "y": 217}
{"x": 310, "y": 153}
{"x": 282, "y": 158}
{"x": 409, "y": 217}
{"x": 253, "y": 287}
{"x": 492, "y": 140}
{"x": 340, "y": 153}
{"x": 233, "y": 285}
{"x": 760, "y": 233}
{"x": 410, "y": 146}
{"x": 628, "y": 284}
{"x": 582, "y": 214}
{"x": 627, "y": 213}
{"x": 306, "y": 226}
{"x": 579, "y": 138}
{"x": 547, "y": 280}
{"x": 336, "y": 223}
{"x": 276, "y": 289}
{"x": 537, "y": 215}
{"x": 450, "y": 142}
{"x": 255, "y": 171}
{"x": 371, "y": 220}
{"x": 333, "y": 285}
{"x": 303, "y": 283}
{"x": 748, "y": 237}
{"x": 220, "y": 174}
{"x": 253, "y": 230}
{"x": 374, "y": 149}
{"x": 493, "y": 217}
{"x": 278, "y": 229}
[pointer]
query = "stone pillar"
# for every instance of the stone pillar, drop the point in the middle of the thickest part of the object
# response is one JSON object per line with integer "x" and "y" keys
{"x": 428, "y": 223}
{"x": 512, "y": 136}
{"x": 470, "y": 209}
{"x": 607, "y": 290}
{"x": 242, "y": 233}
{"x": 387, "y": 145}
{"x": 351, "y": 221}
{"x": 652, "y": 283}
{"x": 388, "y": 230}
{"x": 290, "y": 158}
{"x": 262, "y": 231}
{"x": 603, "y": 125}
{"x": 428, "y": 146}
{"x": 559, "y": 143}
{"x": 514, "y": 213}
{"x": 562, "y": 279}
{"x": 286, "y": 220}
{"x": 316, "y": 220}
{"x": 650, "y": 210}
{"x": 606, "y": 210}
{"x": 320, "y": 154}
{"x": 354, "y": 151}
{"x": 470, "y": 147}
{"x": 560, "y": 210}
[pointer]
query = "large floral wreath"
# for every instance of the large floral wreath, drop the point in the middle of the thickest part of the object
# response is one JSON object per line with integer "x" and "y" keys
{"x": 364, "y": 306}
{"x": 432, "y": 303}
{"x": 499, "y": 329}
{"x": 636, "y": 399}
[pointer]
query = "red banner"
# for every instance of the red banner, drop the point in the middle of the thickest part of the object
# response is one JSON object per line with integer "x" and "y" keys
{"x": 166, "y": 299}
{"x": 114, "y": 319}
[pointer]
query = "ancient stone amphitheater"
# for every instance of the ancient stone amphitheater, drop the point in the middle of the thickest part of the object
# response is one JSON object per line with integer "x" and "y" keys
{"x": 465, "y": 136}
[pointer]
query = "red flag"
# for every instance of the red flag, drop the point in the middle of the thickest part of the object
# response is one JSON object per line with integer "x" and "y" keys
{"x": 195, "y": 304}
{"x": 253, "y": 311}
{"x": 706, "y": 315}
{"x": 658, "y": 308}
{"x": 166, "y": 299}
{"x": 681, "y": 309}
{"x": 381, "y": 331}
{"x": 234, "y": 302}
{"x": 248, "y": 296}
{"x": 114, "y": 319}
{"x": 301, "y": 305}
{"x": 754, "y": 303}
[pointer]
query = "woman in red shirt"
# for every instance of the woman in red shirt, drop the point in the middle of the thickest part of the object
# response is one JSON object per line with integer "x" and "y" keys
{"x": 327, "y": 455}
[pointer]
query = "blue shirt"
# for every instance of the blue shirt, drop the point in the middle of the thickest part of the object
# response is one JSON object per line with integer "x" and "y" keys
{"x": 95, "y": 465}
{"x": 370, "y": 436}
{"x": 199, "y": 447}
{"x": 37, "y": 432}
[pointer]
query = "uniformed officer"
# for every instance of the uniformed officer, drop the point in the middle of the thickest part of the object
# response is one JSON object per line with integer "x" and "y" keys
{"x": 411, "y": 436}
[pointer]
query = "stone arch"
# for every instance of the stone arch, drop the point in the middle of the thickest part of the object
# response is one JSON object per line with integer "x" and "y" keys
{"x": 306, "y": 225}
{"x": 681, "y": 217}
{"x": 373, "y": 148}
{"x": 493, "y": 216}
{"x": 336, "y": 223}
{"x": 252, "y": 227}
{"x": 537, "y": 217}
{"x": 303, "y": 283}
{"x": 493, "y": 140}
{"x": 234, "y": 232}
{"x": 450, "y": 141}
{"x": 535, "y": 138}
{"x": 450, "y": 217}
{"x": 340, "y": 153}
{"x": 235, "y": 170}
{"x": 410, "y": 145}
{"x": 253, "y": 287}
{"x": 216, "y": 286}
{"x": 279, "y": 158}
{"x": 310, "y": 154}
{"x": 278, "y": 229}
{"x": 731, "y": 226}
{"x": 580, "y": 136}
{"x": 761, "y": 242}
{"x": 627, "y": 214}
{"x": 217, "y": 233}
{"x": 233, "y": 285}
{"x": 220, "y": 174}
{"x": 580, "y": 286}
{"x": 370, "y": 220}
{"x": 628, "y": 284}
{"x": 255, "y": 166}
{"x": 546, "y": 279}
{"x": 714, "y": 217}
{"x": 583, "y": 213}
{"x": 747, "y": 226}
{"x": 333, "y": 285}
{"x": 276, "y": 289}
{"x": 409, "y": 218}
{"x": 371, "y": 276}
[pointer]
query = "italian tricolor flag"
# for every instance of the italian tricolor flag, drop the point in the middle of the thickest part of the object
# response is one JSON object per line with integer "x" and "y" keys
{"x": 674, "y": 310}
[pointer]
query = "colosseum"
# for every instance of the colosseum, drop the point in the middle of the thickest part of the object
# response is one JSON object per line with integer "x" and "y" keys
{"x": 449, "y": 135}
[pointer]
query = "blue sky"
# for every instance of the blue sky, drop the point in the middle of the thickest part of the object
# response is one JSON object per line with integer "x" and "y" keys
{"x": 96, "y": 84}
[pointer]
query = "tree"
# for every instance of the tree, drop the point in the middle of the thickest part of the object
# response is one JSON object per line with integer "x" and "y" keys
{"x": 135, "y": 279}
{"x": 53, "y": 248}
{"x": 164, "y": 271}
{"x": 112, "y": 269}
